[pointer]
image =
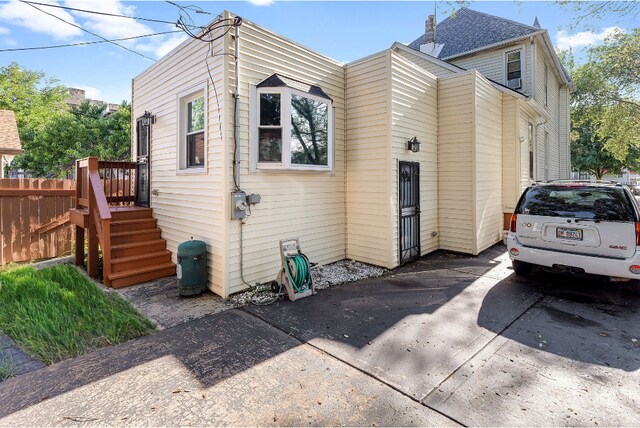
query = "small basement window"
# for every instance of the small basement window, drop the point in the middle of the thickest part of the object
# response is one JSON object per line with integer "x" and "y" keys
{"x": 292, "y": 126}
{"x": 192, "y": 125}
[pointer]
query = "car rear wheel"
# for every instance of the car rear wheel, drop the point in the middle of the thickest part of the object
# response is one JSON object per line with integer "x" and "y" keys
{"x": 522, "y": 268}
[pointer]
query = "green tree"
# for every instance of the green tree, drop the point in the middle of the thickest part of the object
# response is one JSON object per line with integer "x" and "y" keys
{"x": 84, "y": 131}
{"x": 588, "y": 152}
{"x": 34, "y": 98}
{"x": 605, "y": 109}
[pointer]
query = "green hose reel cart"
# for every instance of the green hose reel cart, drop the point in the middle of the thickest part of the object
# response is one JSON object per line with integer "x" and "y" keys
{"x": 295, "y": 274}
{"x": 192, "y": 268}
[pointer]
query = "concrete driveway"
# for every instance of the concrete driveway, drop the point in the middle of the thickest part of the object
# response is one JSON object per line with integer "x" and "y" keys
{"x": 446, "y": 340}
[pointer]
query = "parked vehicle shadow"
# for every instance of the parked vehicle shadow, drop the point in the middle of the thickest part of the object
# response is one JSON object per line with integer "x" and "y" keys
{"x": 586, "y": 319}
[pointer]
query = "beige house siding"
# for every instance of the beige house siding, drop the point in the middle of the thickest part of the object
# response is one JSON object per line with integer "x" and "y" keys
{"x": 430, "y": 66}
{"x": 488, "y": 160}
{"x": 186, "y": 205}
{"x": 368, "y": 166}
{"x": 564, "y": 139}
{"x": 492, "y": 64}
{"x": 414, "y": 113}
{"x": 511, "y": 161}
{"x": 307, "y": 205}
{"x": 456, "y": 162}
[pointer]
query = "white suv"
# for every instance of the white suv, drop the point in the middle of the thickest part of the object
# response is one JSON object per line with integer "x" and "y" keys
{"x": 576, "y": 227}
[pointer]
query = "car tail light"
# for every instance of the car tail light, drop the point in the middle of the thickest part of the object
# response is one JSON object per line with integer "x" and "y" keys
{"x": 514, "y": 252}
{"x": 635, "y": 269}
{"x": 638, "y": 234}
{"x": 514, "y": 220}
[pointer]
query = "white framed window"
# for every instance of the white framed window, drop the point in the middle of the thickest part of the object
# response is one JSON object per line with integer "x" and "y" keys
{"x": 513, "y": 68}
{"x": 290, "y": 130}
{"x": 192, "y": 136}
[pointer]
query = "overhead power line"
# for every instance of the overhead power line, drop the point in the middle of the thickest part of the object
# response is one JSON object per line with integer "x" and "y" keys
{"x": 33, "y": 48}
{"x": 160, "y": 21}
{"x": 87, "y": 31}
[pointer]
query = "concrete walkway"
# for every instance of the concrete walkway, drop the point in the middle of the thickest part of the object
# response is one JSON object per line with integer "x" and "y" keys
{"x": 446, "y": 340}
{"x": 15, "y": 359}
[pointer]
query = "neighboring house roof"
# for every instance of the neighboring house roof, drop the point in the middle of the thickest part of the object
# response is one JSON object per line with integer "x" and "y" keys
{"x": 469, "y": 30}
{"x": 278, "y": 80}
{"x": 9, "y": 139}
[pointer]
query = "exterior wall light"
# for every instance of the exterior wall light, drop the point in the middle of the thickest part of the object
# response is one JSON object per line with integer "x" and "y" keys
{"x": 413, "y": 145}
{"x": 148, "y": 119}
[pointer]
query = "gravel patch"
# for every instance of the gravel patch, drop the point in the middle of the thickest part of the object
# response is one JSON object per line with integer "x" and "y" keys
{"x": 326, "y": 276}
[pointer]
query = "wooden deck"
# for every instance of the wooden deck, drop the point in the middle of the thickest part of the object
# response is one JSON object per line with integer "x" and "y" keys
{"x": 133, "y": 250}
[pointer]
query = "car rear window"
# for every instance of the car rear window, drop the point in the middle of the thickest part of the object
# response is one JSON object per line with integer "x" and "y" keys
{"x": 601, "y": 203}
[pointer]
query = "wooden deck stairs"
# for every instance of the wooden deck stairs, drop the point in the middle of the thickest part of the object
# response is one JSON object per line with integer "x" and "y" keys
{"x": 133, "y": 250}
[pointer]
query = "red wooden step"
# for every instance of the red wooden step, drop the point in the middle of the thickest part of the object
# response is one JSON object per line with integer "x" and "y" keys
{"x": 138, "y": 248}
{"x": 133, "y": 225}
{"x": 143, "y": 274}
{"x": 135, "y": 236}
{"x": 121, "y": 264}
{"x": 130, "y": 213}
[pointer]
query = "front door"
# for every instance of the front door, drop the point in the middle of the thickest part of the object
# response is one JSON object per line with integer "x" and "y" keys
{"x": 143, "y": 164}
{"x": 409, "y": 210}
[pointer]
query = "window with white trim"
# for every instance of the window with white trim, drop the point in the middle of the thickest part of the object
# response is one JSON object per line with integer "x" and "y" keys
{"x": 291, "y": 130}
{"x": 514, "y": 69}
{"x": 192, "y": 136}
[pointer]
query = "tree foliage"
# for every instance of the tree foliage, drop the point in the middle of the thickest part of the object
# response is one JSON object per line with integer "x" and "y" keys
{"x": 585, "y": 13}
{"x": 52, "y": 134}
{"x": 605, "y": 109}
{"x": 83, "y": 131}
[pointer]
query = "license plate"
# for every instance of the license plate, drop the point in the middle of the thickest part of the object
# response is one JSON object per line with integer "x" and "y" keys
{"x": 569, "y": 233}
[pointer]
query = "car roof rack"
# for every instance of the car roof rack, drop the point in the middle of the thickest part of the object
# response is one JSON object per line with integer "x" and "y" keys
{"x": 584, "y": 181}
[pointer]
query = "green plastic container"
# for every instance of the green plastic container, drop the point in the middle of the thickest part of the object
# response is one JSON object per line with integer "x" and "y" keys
{"x": 192, "y": 268}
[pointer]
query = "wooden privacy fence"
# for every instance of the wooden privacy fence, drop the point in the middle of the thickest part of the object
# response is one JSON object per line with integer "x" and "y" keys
{"x": 34, "y": 218}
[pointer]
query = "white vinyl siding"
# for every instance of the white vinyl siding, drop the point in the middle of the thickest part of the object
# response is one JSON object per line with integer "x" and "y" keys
{"x": 309, "y": 205}
{"x": 564, "y": 139}
{"x": 414, "y": 113}
{"x": 186, "y": 205}
{"x": 368, "y": 161}
{"x": 548, "y": 160}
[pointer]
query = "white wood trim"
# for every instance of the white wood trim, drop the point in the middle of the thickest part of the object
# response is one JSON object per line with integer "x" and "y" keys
{"x": 182, "y": 99}
{"x": 285, "y": 124}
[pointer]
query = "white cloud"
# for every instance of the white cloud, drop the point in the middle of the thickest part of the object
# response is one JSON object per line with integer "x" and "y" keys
{"x": 261, "y": 2}
{"x": 89, "y": 91}
{"x": 584, "y": 38}
{"x": 24, "y": 15}
{"x": 4, "y": 31}
{"x": 7, "y": 41}
{"x": 167, "y": 46}
{"x": 110, "y": 27}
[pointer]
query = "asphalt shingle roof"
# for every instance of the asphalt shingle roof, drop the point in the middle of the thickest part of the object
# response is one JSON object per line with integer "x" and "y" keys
{"x": 9, "y": 139}
{"x": 469, "y": 30}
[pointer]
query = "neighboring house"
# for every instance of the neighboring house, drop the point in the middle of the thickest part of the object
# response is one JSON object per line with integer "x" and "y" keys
{"x": 9, "y": 140}
{"x": 626, "y": 177}
{"x": 331, "y": 148}
{"x": 77, "y": 96}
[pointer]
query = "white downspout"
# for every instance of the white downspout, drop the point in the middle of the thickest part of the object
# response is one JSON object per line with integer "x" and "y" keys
{"x": 532, "y": 68}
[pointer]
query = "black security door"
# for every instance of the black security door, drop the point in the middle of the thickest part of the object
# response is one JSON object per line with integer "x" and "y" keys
{"x": 143, "y": 165}
{"x": 409, "y": 215}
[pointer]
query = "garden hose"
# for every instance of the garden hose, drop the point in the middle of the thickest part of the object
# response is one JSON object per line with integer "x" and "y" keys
{"x": 300, "y": 278}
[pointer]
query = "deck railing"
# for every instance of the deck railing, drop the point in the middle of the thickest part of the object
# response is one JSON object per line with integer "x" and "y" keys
{"x": 100, "y": 184}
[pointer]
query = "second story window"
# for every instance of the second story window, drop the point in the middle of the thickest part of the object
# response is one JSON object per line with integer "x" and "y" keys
{"x": 514, "y": 69}
{"x": 546, "y": 85}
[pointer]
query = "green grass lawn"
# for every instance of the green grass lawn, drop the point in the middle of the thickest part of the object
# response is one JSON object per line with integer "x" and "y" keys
{"x": 56, "y": 313}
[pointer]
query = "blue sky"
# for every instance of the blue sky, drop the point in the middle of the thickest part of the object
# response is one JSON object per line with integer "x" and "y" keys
{"x": 342, "y": 30}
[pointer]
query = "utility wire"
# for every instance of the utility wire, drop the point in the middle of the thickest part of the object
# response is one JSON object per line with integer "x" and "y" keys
{"x": 100, "y": 13}
{"x": 87, "y": 31}
{"x": 33, "y": 48}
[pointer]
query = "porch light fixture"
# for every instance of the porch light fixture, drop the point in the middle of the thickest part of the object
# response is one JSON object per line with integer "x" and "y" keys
{"x": 148, "y": 119}
{"x": 413, "y": 145}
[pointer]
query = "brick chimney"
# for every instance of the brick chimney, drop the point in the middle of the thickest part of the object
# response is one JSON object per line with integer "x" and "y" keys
{"x": 430, "y": 29}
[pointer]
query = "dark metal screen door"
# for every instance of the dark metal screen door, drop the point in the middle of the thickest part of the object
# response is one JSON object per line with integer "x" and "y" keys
{"x": 409, "y": 215}
{"x": 143, "y": 140}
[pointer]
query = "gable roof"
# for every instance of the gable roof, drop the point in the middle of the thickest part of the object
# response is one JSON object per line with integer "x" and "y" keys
{"x": 278, "y": 80}
{"x": 9, "y": 139}
{"x": 469, "y": 30}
